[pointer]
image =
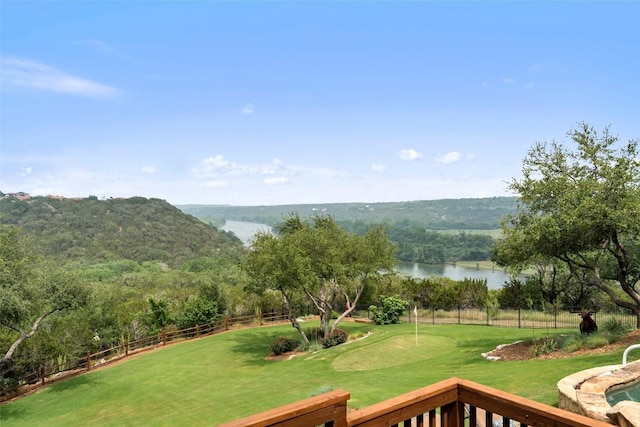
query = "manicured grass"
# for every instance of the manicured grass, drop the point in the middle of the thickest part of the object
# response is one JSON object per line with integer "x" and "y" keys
{"x": 226, "y": 376}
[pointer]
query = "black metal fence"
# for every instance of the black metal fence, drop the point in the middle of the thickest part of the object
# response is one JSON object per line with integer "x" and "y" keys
{"x": 517, "y": 317}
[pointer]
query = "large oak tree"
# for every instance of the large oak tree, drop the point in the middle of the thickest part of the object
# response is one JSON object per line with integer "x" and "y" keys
{"x": 580, "y": 205}
{"x": 31, "y": 290}
{"x": 320, "y": 260}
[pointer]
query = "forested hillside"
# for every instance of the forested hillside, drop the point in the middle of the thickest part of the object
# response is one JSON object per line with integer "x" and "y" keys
{"x": 445, "y": 214}
{"x": 137, "y": 229}
{"x": 426, "y": 231}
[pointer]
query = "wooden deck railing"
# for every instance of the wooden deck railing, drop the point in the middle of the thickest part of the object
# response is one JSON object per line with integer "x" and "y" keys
{"x": 449, "y": 403}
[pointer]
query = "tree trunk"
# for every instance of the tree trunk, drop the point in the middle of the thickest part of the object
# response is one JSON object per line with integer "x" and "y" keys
{"x": 293, "y": 319}
{"x": 296, "y": 324}
{"x": 325, "y": 319}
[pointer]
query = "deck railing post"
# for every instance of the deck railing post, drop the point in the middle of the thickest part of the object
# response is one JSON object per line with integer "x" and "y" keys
{"x": 452, "y": 415}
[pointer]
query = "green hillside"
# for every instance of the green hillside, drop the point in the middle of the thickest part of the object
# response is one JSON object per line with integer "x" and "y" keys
{"x": 444, "y": 214}
{"x": 137, "y": 228}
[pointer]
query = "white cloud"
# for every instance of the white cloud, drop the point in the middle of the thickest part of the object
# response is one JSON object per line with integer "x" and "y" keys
{"x": 277, "y": 181}
{"x": 451, "y": 157}
{"x": 378, "y": 168}
{"x": 149, "y": 170}
{"x": 409, "y": 154}
{"x": 215, "y": 184}
{"x": 470, "y": 156}
{"x": 211, "y": 166}
{"x": 26, "y": 171}
{"x": 249, "y": 109}
{"x": 508, "y": 80}
{"x": 28, "y": 73}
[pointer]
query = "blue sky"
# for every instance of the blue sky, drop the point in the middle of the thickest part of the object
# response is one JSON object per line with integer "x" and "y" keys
{"x": 267, "y": 103}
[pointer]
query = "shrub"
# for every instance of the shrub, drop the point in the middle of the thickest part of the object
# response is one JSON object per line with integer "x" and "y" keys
{"x": 314, "y": 333}
{"x": 334, "y": 338}
{"x": 282, "y": 345}
{"x": 615, "y": 327}
{"x": 544, "y": 346}
{"x": 311, "y": 347}
{"x": 573, "y": 343}
{"x": 390, "y": 310}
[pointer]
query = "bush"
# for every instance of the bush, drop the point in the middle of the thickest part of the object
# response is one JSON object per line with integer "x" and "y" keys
{"x": 390, "y": 310}
{"x": 615, "y": 327}
{"x": 545, "y": 346}
{"x": 283, "y": 344}
{"x": 314, "y": 333}
{"x": 334, "y": 338}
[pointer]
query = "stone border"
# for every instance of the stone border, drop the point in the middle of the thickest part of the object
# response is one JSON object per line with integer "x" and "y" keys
{"x": 584, "y": 393}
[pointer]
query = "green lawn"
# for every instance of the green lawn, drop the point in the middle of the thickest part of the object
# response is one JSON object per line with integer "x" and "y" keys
{"x": 226, "y": 376}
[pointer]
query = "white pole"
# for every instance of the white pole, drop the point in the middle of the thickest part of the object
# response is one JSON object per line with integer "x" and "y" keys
{"x": 415, "y": 312}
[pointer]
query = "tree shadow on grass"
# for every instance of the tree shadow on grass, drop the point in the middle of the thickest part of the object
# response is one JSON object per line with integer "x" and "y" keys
{"x": 256, "y": 345}
{"x": 69, "y": 384}
{"x": 9, "y": 412}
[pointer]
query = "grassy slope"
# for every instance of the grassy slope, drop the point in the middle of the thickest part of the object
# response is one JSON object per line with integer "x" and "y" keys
{"x": 224, "y": 377}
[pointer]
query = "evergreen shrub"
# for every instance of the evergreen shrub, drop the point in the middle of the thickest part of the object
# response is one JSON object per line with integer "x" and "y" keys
{"x": 334, "y": 338}
{"x": 282, "y": 345}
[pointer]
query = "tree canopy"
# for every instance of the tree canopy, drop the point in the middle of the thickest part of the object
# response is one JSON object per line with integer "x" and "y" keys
{"x": 580, "y": 206}
{"x": 31, "y": 290}
{"x": 320, "y": 260}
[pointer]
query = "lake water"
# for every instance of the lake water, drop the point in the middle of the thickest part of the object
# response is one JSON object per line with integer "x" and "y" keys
{"x": 495, "y": 279}
{"x": 244, "y": 230}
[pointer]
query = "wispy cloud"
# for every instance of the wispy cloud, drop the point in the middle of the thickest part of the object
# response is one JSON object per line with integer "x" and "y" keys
{"x": 217, "y": 165}
{"x": 28, "y": 73}
{"x": 249, "y": 109}
{"x": 451, "y": 157}
{"x": 150, "y": 170}
{"x": 281, "y": 180}
{"x": 508, "y": 80}
{"x": 535, "y": 67}
{"x": 26, "y": 171}
{"x": 378, "y": 168}
{"x": 409, "y": 154}
{"x": 215, "y": 184}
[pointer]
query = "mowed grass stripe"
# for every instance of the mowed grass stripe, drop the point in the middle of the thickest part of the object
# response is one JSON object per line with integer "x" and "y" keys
{"x": 224, "y": 377}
